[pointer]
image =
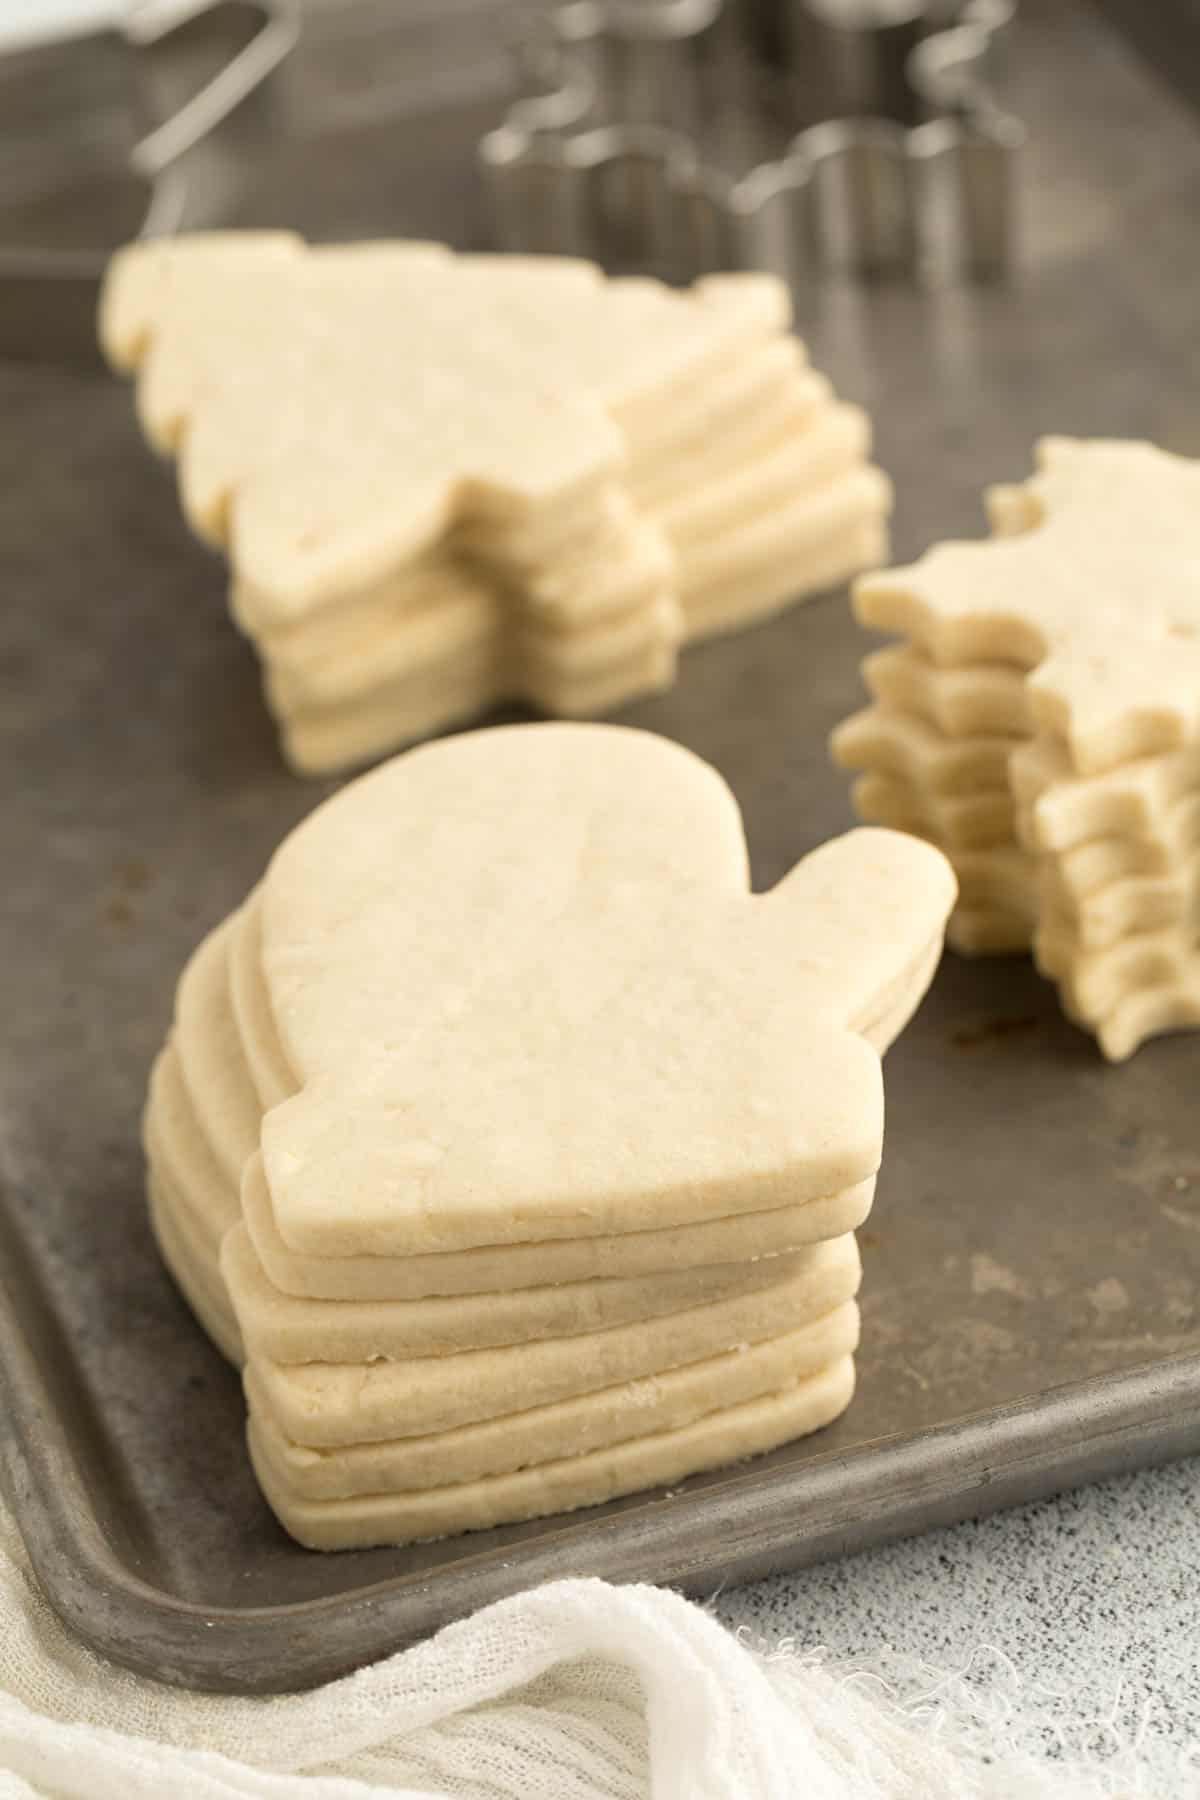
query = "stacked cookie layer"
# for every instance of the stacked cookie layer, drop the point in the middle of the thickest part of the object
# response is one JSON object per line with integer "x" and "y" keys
{"x": 443, "y": 480}
{"x": 515, "y": 1148}
{"x": 1041, "y": 722}
{"x": 932, "y": 752}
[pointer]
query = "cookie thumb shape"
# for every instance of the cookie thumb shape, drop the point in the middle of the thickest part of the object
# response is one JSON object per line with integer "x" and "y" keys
{"x": 866, "y": 913}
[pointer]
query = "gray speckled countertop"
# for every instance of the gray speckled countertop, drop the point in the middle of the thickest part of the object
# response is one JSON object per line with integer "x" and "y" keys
{"x": 1085, "y": 1608}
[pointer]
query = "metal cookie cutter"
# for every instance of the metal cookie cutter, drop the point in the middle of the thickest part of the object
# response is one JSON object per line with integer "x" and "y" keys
{"x": 603, "y": 157}
{"x": 132, "y": 131}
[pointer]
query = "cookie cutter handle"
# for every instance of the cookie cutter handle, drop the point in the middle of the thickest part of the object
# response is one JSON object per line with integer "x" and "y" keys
{"x": 149, "y": 22}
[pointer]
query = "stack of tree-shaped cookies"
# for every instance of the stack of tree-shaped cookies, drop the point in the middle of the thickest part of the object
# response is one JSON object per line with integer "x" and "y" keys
{"x": 517, "y": 1147}
{"x": 1042, "y": 724}
{"x": 445, "y": 480}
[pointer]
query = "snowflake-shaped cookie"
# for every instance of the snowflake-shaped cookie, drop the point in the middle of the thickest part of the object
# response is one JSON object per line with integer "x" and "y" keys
{"x": 1093, "y": 583}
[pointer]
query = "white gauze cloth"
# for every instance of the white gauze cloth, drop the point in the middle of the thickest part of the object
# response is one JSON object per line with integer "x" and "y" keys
{"x": 573, "y": 1691}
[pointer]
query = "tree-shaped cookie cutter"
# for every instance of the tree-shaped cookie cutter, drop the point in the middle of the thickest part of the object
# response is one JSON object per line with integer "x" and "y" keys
{"x": 75, "y": 115}
{"x": 582, "y": 165}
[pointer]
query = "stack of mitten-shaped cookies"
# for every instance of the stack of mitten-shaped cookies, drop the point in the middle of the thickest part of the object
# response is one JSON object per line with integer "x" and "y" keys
{"x": 443, "y": 481}
{"x": 1041, "y": 723}
{"x": 517, "y": 1148}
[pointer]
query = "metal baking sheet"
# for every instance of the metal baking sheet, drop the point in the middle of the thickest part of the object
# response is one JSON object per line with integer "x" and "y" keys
{"x": 1032, "y": 1295}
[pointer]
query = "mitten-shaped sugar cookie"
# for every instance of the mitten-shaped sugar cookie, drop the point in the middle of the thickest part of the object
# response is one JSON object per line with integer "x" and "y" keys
{"x": 517, "y": 1147}
{"x": 600, "y": 879}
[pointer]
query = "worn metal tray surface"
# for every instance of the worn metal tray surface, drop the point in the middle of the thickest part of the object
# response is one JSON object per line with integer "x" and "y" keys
{"x": 1033, "y": 1265}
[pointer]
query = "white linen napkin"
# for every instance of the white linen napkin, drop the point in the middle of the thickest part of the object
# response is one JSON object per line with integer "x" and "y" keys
{"x": 573, "y": 1691}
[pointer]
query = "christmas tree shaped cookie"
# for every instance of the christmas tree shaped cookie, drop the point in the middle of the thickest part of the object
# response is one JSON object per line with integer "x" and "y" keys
{"x": 443, "y": 481}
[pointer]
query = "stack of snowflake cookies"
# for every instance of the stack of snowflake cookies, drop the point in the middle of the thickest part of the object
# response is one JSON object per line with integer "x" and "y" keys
{"x": 1041, "y": 722}
{"x": 516, "y": 1148}
{"x": 444, "y": 481}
